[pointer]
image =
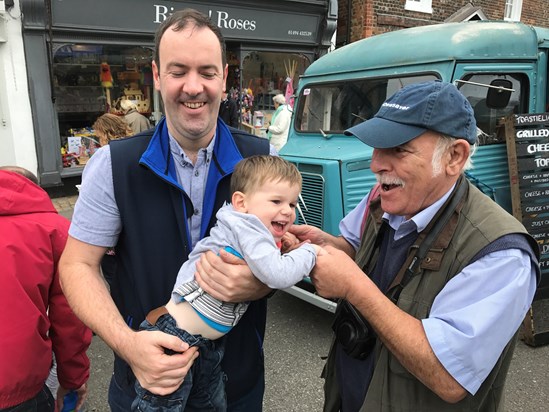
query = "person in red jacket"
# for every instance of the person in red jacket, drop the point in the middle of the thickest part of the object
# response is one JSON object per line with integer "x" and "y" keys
{"x": 35, "y": 318}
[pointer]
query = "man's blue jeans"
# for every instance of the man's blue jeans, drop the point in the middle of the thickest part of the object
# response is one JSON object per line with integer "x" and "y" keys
{"x": 204, "y": 386}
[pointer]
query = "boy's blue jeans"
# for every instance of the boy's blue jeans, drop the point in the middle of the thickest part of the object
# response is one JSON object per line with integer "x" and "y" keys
{"x": 204, "y": 386}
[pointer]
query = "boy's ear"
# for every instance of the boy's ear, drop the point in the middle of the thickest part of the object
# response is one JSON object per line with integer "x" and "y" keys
{"x": 238, "y": 200}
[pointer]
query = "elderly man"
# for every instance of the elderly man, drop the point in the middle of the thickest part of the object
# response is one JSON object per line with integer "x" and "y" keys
{"x": 442, "y": 276}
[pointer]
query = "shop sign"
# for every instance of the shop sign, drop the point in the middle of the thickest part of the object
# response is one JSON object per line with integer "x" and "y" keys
{"x": 527, "y": 137}
{"x": 235, "y": 22}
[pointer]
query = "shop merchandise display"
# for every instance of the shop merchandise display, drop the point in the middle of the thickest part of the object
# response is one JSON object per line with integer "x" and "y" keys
{"x": 81, "y": 145}
{"x": 90, "y": 80}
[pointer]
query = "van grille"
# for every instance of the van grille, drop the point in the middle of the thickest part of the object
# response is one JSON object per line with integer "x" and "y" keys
{"x": 312, "y": 193}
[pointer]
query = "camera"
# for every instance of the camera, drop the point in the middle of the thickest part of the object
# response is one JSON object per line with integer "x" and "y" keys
{"x": 353, "y": 332}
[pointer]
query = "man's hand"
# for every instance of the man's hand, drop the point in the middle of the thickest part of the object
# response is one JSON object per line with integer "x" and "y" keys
{"x": 335, "y": 273}
{"x": 228, "y": 278}
{"x": 87, "y": 293}
{"x": 156, "y": 371}
{"x": 307, "y": 233}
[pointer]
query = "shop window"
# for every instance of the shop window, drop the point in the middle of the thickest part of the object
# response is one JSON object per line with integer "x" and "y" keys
{"x": 264, "y": 75}
{"x": 90, "y": 80}
{"x": 233, "y": 76}
{"x": 513, "y": 10}
{"x": 423, "y": 6}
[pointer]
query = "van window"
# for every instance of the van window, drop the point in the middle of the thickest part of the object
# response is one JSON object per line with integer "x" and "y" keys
{"x": 487, "y": 118}
{"x": 334, "y": 107}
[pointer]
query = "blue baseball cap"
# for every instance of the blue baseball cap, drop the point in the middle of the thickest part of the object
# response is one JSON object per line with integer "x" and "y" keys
{"x": 434, "y": 105}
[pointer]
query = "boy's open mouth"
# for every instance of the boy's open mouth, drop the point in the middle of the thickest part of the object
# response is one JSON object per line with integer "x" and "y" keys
{"x": 278, "y": 225}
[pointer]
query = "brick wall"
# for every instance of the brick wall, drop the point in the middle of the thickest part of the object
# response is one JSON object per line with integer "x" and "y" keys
{"x": 535, "y": 12}
{"x": 371, "y": 17}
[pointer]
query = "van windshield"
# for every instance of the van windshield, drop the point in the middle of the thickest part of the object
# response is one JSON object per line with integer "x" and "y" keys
{"x": 334, "y": 107}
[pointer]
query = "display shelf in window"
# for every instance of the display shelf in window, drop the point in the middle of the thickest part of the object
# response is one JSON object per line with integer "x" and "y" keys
{"x": 136, "y": 95}
{"x": 78, "y": 99}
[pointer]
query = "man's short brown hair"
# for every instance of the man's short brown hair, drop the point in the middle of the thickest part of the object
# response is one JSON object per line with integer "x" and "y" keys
{"x": 180, "y": 20}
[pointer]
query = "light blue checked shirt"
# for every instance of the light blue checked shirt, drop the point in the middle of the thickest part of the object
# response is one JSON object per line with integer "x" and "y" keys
{"x": 471, "y": 320}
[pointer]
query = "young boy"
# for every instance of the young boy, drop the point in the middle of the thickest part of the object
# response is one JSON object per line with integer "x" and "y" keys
{"x": 265, "y": 193}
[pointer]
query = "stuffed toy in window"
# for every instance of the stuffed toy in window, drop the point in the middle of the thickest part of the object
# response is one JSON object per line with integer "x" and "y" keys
{"x": 106, "y": 83}
{"x": 106, "y": 76}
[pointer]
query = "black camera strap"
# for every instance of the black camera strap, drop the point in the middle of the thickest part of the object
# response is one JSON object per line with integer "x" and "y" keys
{"x": 351, "y": 329}
{"x": 430, "y": 234}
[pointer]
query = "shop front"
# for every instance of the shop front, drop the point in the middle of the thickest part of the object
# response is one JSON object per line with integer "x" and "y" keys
{"x": 84, "y": 57}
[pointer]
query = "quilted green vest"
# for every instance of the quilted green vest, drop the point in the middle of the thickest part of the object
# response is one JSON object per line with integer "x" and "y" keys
{"x": 475, "y": 223}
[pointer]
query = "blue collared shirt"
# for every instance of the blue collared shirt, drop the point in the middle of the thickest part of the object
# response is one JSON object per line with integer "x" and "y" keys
{"x": 471, "y": 319}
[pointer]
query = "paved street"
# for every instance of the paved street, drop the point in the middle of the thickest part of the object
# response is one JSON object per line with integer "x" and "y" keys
{"x": 298, "y": 336}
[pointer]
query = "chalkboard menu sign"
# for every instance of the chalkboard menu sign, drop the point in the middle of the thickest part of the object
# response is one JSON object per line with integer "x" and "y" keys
{"x": 527, "y": 137}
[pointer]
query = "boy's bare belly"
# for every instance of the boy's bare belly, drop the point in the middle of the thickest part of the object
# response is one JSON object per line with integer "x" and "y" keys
{"x": 189, "y": 320}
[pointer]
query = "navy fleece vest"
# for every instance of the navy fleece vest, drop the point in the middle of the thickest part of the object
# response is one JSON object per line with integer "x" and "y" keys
{"x": 153, "y": 243}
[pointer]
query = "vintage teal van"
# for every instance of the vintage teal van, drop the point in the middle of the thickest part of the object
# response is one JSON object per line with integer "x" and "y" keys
{"x": 349, "y": 85}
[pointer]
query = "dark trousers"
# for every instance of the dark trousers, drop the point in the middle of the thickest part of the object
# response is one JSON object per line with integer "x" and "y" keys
{"x": 42, "y": 402}
{"x": 108, "y": 266}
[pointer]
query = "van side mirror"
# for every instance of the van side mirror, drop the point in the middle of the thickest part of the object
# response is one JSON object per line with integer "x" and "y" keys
{"x": 499, "y": 93}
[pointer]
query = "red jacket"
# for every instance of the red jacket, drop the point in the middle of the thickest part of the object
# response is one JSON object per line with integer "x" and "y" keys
{"x": 34, "y": 315}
